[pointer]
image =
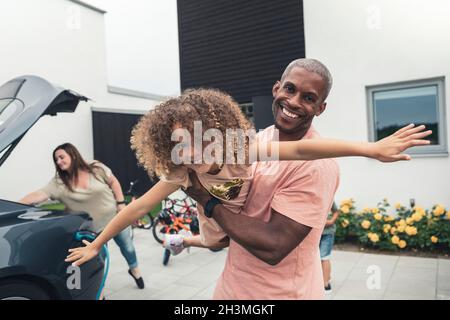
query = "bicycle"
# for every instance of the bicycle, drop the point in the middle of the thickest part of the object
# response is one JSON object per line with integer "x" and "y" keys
{"x": 145, "y": 222}
{"x": 171, "y": 221}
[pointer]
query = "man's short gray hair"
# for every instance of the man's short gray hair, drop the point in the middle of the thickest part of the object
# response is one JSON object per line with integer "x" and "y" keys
{"x": 311, "y": 65}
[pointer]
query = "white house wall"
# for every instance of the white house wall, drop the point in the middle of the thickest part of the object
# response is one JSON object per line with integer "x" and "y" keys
{"x": 63, "y": 42}
{"x": 375, "y": 42}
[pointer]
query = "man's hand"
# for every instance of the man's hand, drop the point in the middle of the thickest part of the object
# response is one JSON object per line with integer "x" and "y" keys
{"x": 197, "y": 191}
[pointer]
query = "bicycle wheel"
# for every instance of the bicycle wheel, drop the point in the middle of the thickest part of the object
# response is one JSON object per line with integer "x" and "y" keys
{"x": 150, "y": 222}
{"x": 158, "y": 230}
{"x": 146, "y": 222}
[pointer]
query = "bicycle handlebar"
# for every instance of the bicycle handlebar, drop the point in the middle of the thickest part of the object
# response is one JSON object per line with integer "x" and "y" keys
{"x": 130, "y": 191}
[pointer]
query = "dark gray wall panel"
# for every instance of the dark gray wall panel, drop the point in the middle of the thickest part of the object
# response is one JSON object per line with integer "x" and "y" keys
{"x": 238, "y": 46}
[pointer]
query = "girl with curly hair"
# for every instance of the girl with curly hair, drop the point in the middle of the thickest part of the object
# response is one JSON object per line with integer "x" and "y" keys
{"x": 229, "y": 183}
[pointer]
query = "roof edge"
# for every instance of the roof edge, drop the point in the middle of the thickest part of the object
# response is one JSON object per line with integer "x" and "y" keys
{"x": 89, "y": 6}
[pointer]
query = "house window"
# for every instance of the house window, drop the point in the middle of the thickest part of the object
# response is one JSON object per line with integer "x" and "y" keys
{"x": 393, "y": 106}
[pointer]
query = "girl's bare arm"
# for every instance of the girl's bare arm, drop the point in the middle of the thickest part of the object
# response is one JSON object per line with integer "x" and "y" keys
{"x": 388, "y": 149}
{"x": 124, "y": 218}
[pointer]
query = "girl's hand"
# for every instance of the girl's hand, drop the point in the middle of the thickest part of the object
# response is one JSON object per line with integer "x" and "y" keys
{"x": 390, "y": 148}
{"x": 78, "y": 256}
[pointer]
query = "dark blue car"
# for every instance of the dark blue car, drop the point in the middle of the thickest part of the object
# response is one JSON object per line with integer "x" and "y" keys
{"x": 34, "y": 241}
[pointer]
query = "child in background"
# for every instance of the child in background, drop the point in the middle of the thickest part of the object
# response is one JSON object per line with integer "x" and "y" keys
{"x": 326, "y": 245}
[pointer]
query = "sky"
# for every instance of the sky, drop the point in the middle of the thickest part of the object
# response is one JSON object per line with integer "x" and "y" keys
{"x": 142, "y": 44}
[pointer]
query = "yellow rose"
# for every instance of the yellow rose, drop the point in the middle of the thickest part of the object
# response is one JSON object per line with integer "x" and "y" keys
{"x": 395, "y": 240}
{"x": 388, "y": 218}
{"x": 374, "y": 237}
{"x": 438, "y": 211}
{"x": 378, "y": 216}
{"x": 448, "y": 214}
{"x": 409, "y": 221}
{"x": 419, "y": 210}
{"x": 416, "y": 216}
{"x": 386, "y": 228}
{"x": 411, "y": 231}
{"x": 398, "y": 206}
{"x": 402, "y": 222}
{"x": 365, "y": 224}
{"x": 434, "y": 239}
{"x": 347, "y": 202}
{"x": 401, "y": 228}
{"x": 345, "y": 223}
{"x": 366, "y": 210}
{"x": 402, "y": 244}
{"x": 375, "y": 210}
{"x": 393, "y": 230}
{"x": 345, "y": 209}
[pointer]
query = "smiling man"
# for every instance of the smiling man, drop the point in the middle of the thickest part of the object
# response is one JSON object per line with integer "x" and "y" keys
{"x": 274, "y": 242}
{"x": 300, "y": 96}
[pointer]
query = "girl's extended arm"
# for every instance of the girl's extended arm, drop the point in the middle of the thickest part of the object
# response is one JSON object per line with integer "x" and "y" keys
{"x": 388, "y": 149}
{"x": 124, "y": 218}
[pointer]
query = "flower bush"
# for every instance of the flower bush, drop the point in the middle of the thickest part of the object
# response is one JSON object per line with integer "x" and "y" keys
{"x": 407, "y": 228}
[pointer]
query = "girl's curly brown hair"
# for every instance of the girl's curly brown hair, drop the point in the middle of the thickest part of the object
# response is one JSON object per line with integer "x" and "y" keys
{"x": 151, "y": 137}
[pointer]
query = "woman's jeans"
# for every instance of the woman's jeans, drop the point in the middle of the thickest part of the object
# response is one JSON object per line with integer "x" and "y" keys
{"x": 125, "y": 243}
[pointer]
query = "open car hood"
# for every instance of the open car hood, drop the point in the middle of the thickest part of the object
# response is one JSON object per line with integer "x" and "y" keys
{"x": 23, "y": 100}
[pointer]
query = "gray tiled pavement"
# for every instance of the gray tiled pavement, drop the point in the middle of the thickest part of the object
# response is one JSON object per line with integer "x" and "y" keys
{"x": 193, "y": 275}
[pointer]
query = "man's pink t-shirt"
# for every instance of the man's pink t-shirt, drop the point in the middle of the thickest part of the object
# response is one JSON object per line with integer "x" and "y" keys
{"x": 302, "y": 191}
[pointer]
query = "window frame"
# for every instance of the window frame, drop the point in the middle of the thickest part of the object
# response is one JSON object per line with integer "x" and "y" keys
{"x": 426, "y": 151}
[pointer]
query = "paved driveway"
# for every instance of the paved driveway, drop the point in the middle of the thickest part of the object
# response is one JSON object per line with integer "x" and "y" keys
{"x": 355, "y": 275}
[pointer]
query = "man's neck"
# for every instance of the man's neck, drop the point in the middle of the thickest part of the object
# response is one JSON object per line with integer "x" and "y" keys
{"x": 294, "y": 136}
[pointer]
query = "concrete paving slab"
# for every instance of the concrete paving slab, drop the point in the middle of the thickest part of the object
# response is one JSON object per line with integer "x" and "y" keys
{"x": 194, "y": 275}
